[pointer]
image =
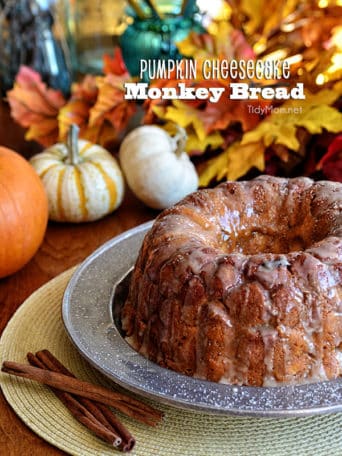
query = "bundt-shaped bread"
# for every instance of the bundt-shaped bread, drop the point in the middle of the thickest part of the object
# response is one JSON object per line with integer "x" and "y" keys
{"x": 242, "y": 284}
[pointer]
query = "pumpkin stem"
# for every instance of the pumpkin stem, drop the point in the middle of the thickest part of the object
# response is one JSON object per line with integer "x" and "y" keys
{"x": 72, "y": 144}
{"x": 180, "y": 139}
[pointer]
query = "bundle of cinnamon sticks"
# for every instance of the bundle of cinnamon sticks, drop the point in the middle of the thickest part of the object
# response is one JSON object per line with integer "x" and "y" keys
{"x": 88, "y": 403}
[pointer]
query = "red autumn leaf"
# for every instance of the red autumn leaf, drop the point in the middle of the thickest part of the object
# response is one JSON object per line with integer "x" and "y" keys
{"x": 111, "y": 104}
{"x": 35, "y": 107}
{"x": 331, "y": 163}
{"x": 242, "y": 49}
{"x": 115, "y": 65}
{"x": 218, "y": 116}
{"x": 85, "y": 90}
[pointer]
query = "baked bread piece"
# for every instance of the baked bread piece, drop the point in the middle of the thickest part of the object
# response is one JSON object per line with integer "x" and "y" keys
{"x": 242, "y": 284}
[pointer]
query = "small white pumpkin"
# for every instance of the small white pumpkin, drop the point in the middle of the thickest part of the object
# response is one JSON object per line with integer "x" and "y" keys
{"x": 82, "y": 180}
{"x": 157, "y": 169}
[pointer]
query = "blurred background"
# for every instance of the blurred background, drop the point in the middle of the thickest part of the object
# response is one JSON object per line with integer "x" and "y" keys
{"x": 89, "y": 48}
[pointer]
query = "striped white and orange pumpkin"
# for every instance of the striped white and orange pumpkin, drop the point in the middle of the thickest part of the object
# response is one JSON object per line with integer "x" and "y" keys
{"x": 83, "y": 181}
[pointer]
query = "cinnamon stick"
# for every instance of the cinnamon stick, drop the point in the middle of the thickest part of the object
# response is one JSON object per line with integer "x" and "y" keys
{"x": 86, "y": 418}
{"x": 80, "y": 412}
{"x": 103, "y": 414}
{"x": 131, "y": 407}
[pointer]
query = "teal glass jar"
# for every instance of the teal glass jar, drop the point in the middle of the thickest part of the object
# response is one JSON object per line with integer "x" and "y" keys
{"x": 156, "y": 38}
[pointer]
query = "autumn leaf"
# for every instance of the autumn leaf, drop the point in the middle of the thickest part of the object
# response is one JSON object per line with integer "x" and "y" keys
{"x": 197, "y": 46}
{"x": 111, "y": 104}
{"x": 313, "y": 114}
{"x": 193, "y": 145}
{"x": 234, "y": 162}
{"x": 303, "y": 31}
{"x": 337, "y": 88}
{"x": 242, "y": 49}
{"x": 74, "y": 112}
{"x": 35, "y": 107}
{"x": 262, "y": 17}
{"x": 221, "y": 33}
{"x": 213, "y": 116}
{"x": 219, "y": 116}
{"x": 281, "y": 130}
{"x": 331, "y": 162}
{"x": 98, "y": 107}
{"x": 115, "y": 65}
{"x": 77, "y": 109}
{"x": 316, "y": 62}
{"x": 85, "y": 90}
{"x": 77, "y": 112}
{"x": 45, "y": 132}
{"x": 204, "y": 121}
{"x": 187, "y": 117}
{"x": 318, "y": 29}
{"x": 103, "y": 134}
{"x": 184, "y": 115}
{"x": 223, "y": 41}
{"x": 149, "y": 104}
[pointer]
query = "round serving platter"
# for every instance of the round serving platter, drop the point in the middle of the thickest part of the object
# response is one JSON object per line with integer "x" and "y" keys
{"x": 90, "y": 307}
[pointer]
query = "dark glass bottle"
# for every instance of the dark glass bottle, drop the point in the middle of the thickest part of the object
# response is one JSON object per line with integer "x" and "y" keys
{"x": 27, "y": 38}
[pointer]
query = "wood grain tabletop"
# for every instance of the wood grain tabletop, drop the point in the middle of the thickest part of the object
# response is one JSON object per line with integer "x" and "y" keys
{"x": 64, "y": 246}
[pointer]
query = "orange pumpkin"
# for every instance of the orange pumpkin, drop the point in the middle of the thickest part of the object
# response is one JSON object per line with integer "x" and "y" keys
{"x": 23, "y": 212}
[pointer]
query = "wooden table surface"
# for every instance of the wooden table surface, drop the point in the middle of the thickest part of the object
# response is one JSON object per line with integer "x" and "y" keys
{"x": 64, "y": 246}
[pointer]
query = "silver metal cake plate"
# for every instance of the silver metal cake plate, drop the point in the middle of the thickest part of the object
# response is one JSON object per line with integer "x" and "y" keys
{"x": 90, "y": 320}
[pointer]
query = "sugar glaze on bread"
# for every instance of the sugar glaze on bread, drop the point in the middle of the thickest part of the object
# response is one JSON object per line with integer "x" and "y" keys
{"x": 242, "y": 284}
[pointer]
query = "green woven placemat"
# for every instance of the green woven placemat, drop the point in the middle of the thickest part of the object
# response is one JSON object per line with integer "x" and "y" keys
{"x": 38, "y": 324}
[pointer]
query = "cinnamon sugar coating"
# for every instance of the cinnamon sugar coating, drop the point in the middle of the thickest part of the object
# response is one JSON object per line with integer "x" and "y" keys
{"x": 242, "y": 284}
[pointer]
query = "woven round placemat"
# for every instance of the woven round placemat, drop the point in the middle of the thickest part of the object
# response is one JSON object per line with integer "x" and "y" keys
{"x": 38, "y": 324}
